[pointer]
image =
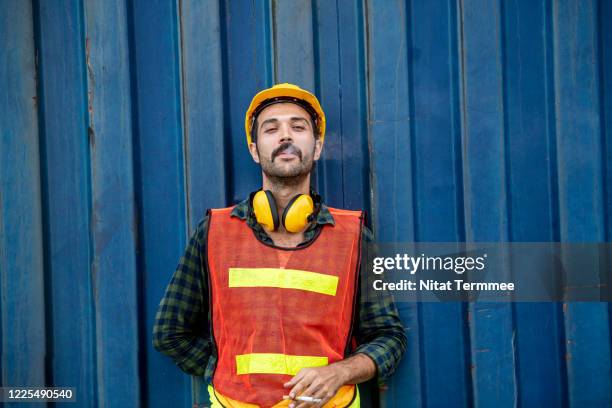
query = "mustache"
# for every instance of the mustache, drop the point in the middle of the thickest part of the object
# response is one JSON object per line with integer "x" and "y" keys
{"x": 287, "y": 147}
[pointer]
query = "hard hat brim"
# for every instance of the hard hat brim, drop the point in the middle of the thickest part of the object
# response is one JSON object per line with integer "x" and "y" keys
{"x": 287, "y": 91}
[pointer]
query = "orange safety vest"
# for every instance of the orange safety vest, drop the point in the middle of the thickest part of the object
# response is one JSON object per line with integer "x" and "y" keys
{"x": 278, "y": 310}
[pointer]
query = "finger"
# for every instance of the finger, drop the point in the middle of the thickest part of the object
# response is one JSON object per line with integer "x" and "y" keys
{"x": 307, "y": 386}
{"x": 311, "y": 391}
{"x": 297, "y": 389}
{"x": 324, "y": 399}
{"x": 324, "y": 394}
{"x": 294, "y": 380}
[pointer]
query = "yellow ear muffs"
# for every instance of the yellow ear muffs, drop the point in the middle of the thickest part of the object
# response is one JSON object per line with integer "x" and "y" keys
{"x": 296, "y": 215}
{"x": 265, "y": 211}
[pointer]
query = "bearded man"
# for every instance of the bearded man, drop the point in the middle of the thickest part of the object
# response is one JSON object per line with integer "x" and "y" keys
{"x": 266, "y": 301}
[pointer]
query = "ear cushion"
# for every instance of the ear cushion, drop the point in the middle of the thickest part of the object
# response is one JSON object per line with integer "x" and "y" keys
{"x": 297, "y": 212}
{"x": 264, "y": 207}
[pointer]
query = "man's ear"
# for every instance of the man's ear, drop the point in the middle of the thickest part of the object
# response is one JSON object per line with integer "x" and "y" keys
{"x": 318, "y": 149}
{"x": 254, "y": 152}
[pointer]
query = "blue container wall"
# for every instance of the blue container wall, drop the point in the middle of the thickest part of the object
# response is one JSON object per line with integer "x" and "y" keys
{"x": 122, "y": 121}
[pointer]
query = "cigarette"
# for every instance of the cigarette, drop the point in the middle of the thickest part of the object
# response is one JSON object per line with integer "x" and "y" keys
{"x": 304, "y": 399}
{"x": 308, "y": 399}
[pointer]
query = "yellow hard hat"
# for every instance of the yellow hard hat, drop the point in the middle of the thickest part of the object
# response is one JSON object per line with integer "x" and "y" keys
{"x": 282, "y": 92}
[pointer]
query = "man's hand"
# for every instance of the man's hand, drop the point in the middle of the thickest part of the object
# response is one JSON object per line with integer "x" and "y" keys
{"x": 316, "y": 382}
{"x": 324, "y": 382}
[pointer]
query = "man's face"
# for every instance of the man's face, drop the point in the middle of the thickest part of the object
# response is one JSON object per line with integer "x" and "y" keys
{"x": 285, "y": 146}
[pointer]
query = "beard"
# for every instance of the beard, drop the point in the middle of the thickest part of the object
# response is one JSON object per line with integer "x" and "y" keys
{"x": 291, "y": 173}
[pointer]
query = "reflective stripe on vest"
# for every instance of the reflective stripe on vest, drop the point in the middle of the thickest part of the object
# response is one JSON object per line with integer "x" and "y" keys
{"x": 276, "y": 311}
{"x": 282, "y": 278}
{"x": 269, "y": 363}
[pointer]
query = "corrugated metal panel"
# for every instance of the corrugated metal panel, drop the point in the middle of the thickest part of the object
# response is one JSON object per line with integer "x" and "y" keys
{"x": 449, "y": 120}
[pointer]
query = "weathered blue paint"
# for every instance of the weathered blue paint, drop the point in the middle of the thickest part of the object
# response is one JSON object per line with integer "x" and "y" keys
{"x": 328, "y": 85}
{"x": 438, "y": 192}
{"x": 390, "y": 139}
{"x": 581, "y": 186}
{"x": 22, "y": 307}
{"x": 248, "y": 50}
{"x": 532, "y": 207}
{"x": 113, "y": 224}
{"x": 449, "y": 120}
{"x": 160, "y": 180}
{"x": 485, "y": 194}
{"x": 205, "y": 127}
{"x": 65, "y": 160}
{"x": 204, "y": 108}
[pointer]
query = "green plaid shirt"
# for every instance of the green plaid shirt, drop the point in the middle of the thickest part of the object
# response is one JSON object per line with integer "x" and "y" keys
{"x": 182, "y": 323}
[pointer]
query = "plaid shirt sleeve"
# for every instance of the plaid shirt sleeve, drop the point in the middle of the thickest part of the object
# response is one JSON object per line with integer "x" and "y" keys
{"x": 379, "y": 331}
{"x": 181, "y": 329}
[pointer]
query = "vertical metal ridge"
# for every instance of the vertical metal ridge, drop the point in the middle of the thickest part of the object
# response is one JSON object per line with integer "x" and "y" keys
{"x": 456, "y": 80}
{"x": 90, "y": 229}
{"x": 227, "y": 126}
{"x": 314, "y": 179}
{"x": 422, "y": 361}
{"x": 504, "y": 168}
{"x": 177, "y": 41}
{"x": 315, "y": 47}
{"x": 465, "y": 204}
{"x": 372, "y": 174}
{"x": 414, "y": 183}
{"x": 143, "y": 368}
{"x": 411, "y": 114}
{"x": 552, "y": 140}
{"x": 553, "y": 30}
{"x": 467, "y": 201}
{"x": 551, "y": 122}
{"x": 507, "y": 190}
{"x": 341, "y": 124}
{"x": 363, "y": 107}
{"x": 270, "y": 34}
{"x": 507, "y": 165}
{"x": 457, "y": 87}
{"x": 274, "y": 46}
{"x": 44, "y": 204}
{"x": 185, "y": 123}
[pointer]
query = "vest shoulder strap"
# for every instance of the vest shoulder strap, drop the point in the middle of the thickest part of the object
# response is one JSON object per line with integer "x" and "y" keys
{"x": 221, "y": 211}
{"x": 338, "y": 212}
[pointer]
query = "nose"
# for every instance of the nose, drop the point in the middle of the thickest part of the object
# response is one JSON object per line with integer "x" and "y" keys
{"x": 285, "y": 134}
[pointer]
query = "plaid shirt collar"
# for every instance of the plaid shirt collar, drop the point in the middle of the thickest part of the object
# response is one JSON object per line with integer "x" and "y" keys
{"x": 242, "y": 211}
